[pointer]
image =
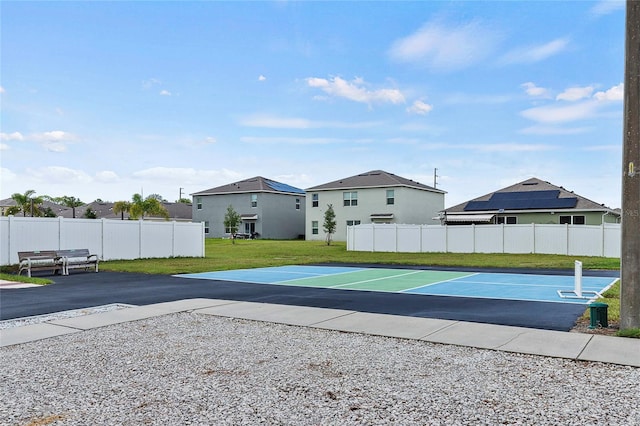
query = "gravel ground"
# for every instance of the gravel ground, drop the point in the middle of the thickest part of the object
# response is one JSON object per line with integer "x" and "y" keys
{"x": 191, "y": 368}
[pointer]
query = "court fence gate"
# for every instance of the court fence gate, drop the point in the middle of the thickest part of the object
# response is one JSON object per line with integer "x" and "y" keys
{"x": 574, "y": 240}
{"x": 109, "y": 239}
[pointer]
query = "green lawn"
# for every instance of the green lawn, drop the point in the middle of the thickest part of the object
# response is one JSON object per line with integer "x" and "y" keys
{"x": 222, "y": 255}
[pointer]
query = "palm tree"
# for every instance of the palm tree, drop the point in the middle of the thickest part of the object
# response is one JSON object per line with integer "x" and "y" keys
{"x": 149, "y": 206}
{"x": 67, "y": 201}
{"x": 121, "y": 207}
{"x": 26, "y": 203}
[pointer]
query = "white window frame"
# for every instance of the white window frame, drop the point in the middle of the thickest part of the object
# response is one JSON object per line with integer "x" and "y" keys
{"x": 391, "y": 197}
{"x": 350, "y": 199}
{"x": 254, "y": 200}
{"x": 315, "y": 200}
{"x": 199, "y": 203}
{"x": 314, "y": 227}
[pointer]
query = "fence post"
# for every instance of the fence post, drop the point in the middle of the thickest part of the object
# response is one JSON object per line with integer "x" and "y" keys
{"x": 173, "y": 239}
{"x": 396, "y": 237}
{"x": 473, "y": 233}
{"x": 533, "y": 239}
{"x": 140, "y": 239}
{"x": 373, "y": 238}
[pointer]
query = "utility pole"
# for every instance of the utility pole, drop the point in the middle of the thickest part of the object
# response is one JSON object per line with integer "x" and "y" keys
{"x": 630, "y": 250}
{"x": 180, "y": 196}
{"x": 435, "y": 177}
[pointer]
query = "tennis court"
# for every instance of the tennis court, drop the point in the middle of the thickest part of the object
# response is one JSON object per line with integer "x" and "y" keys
{"x": 505, "y": 286}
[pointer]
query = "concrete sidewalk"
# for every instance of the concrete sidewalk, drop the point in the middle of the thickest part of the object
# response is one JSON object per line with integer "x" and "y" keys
{"x": 577, "y": 346}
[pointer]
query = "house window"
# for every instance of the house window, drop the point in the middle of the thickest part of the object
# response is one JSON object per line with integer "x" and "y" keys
{"x": 509, "y": 220}
{"x": 353, "y": 222}
{"x": 572, "y": 220}
{"x": 314, "y": 227}
{"x": 199, "y": 203}
{"x": 390, "y": 197}
{"x": 227, "y": 230}
{"x": 206, "y": 226}
{"x": 314, "y": 200}
{"x": 350, "y": 198}
{"x": 297, "y": 203}
{"x": 254, "y": 200}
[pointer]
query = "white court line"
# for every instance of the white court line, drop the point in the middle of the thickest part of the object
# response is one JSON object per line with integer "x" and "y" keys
{"x": 438, "y": 282}
{"x": 323, "y": 275}
{"x": 374, "y": 279}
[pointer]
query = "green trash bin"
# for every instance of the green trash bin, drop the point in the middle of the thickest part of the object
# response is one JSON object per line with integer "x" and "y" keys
{"x": 599, "y": 315}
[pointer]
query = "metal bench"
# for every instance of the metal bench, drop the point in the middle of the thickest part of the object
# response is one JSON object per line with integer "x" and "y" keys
{"x": 77, "y": 259}
{"x": 40, "y": 260}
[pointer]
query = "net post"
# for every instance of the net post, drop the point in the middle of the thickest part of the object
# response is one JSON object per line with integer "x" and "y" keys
{"x": 578, "y": 278}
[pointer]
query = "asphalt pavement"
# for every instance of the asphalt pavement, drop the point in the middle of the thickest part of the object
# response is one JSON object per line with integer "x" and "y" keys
{"x": 88, "y": 289}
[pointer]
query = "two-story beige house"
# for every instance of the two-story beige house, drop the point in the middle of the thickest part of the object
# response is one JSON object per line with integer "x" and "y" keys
{"x": 372, "y": 197}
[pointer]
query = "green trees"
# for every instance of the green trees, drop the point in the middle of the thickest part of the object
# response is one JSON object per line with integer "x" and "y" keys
{"x": 140, "y": 207}
{"x": 121, "y": 207}
{"x": 329, "y": 225}
{"x": 231, "y": 222}
{"x": 26, "y": 203}
{"x": 147, "y": 206}
{"x": 67, "y": 201}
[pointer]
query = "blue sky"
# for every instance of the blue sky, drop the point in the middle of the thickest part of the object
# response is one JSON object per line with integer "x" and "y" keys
{"x": 107, "y": 99}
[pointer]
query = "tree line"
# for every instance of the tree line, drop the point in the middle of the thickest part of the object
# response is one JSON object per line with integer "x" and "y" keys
{"x": 30, "y": 204}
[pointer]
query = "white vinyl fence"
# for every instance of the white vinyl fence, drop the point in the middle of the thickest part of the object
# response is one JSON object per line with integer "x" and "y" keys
{"x": 107, "y": 238}
{"x": 574, "y": 240}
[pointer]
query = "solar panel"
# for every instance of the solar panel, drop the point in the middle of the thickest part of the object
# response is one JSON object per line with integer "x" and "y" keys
{"x": 523, "y": 200}
{"x": 283, "y": 187}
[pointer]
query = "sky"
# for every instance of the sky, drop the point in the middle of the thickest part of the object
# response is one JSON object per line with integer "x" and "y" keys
{"x": 102, "y": 100}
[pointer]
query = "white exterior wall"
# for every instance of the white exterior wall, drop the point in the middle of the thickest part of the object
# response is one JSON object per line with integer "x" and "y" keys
{"x": 573, "y": 240}
{"x": 108, "y": 239}
{"x": 411, "y": 205}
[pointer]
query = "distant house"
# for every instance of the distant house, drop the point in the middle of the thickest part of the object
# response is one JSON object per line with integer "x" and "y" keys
{"x": 180, "y": 212}
{"x": 268, "y": 208}
{"x": 48, "y": 207}
{"x": 530, "y": 201}
{"x": 372, "y": 197}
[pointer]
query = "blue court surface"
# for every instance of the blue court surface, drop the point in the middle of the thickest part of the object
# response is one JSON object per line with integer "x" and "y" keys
{"x": 505, "y": 286}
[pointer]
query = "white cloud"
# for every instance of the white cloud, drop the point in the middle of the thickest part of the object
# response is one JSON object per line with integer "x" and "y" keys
{"x": 532, "y": 90}
{"x": 107, "y": 176}
{"x": 605, "y": 7}
{"x": 57, "y": 174}
{"x": 561, "y": 114}
{"x": 355, "y": 90}
{"x": 1, "y": 89}
{"x": 472, "y": 98}
{"x": 4, "y": 147}
{"x": 53, "y": 136}
{"x": 550, "y": 130}
{"x": 586, "y": 107}
{"x": 532, "y": 54}
{"x": 616, "y": 93}
{"x": 274, "y": 122}
{"x": 186, "y": 176}
{"x": 7, "y": 175}
{"x": 293, "y": 141}
{"x": 444, "y": 47}
{"x": 510, "y": 147}
{"x": 575, "y": 94}
{"x": 15, "y": 136}
{"x": 261, "y": 77}
{"x": 147, "y": 84}
{"x": 210, "y": 140}
{"x": 54, "y": 146}
{"x": 420, "y": 108}
{"x": 165, "y": 93}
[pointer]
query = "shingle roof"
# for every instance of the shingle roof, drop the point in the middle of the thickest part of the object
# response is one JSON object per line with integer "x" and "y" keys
{"x": 530, "y": 185}
{"x": 373, "y": 179}
{"x": 254, "y": 184}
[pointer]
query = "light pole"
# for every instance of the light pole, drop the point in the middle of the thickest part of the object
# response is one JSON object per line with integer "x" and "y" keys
{"x": 630, "y": 250}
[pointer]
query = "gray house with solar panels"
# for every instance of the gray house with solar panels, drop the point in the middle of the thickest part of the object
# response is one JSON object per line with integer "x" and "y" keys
{"x": 268, "y": 209}
{"x": 530, "y": 201}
